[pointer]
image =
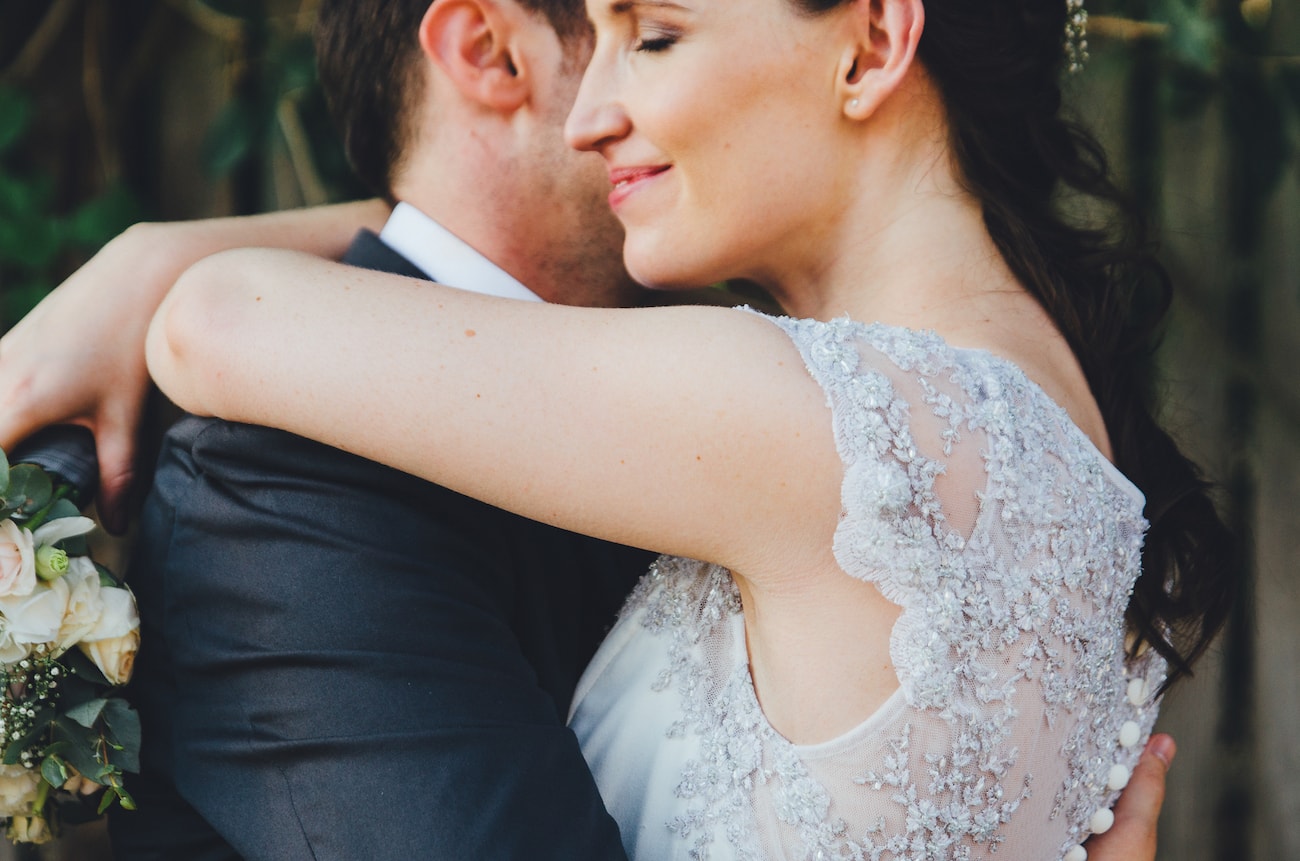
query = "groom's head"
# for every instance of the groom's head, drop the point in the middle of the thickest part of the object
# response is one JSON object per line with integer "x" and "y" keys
{"x": 458, "y": 107}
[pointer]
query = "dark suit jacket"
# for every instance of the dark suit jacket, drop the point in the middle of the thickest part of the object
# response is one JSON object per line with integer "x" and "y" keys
{"x": 341, "y": 661}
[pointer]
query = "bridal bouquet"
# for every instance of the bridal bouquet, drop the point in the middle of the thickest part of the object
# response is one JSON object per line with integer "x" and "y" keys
{"x": 68, "y": 637}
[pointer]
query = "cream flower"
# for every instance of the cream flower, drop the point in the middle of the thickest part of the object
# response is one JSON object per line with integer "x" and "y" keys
{"x": 85, "y": 605}
{"x": 119, "y": 617}
{"x": 114, "y": 656}
{"x": 51, "y": 563}
{"x": 17, "y": 560}
{"x": 17, "y": 789}
{"x": 29, "y": 829}
{"x": 116, "y": 637}
{"x": 36, "y": 617}
{"x": 57, "y": 530}
{"x": 11, "y": 651}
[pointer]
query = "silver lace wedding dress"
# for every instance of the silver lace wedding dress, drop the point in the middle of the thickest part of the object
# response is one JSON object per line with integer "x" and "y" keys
{"x": 972, "y": 502}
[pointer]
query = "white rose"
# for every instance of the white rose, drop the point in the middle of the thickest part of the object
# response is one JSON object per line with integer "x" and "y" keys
{"x": 114, "y": 656}
{"x": 54, "y": 531}
{"x": 38, "y": 616}
{"x": 17, "y": 560}
{"x": 119, "y": 616}
{"x": 11, "y": 652}
{"x": 17, "y": 789}
{"x": 85, "y": 606}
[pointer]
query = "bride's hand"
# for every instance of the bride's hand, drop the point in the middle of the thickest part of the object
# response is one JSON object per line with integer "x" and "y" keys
{"x": 78, "y": 357}
{"x": 1133, "y": 836}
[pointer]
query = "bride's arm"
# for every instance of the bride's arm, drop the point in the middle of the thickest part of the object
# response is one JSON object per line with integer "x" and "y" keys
{"x": 694, "y": 431}
{"x": 79, "y": 356}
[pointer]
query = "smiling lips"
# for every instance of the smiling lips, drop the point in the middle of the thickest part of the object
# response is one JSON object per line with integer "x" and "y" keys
{"x": 627, "y": 179}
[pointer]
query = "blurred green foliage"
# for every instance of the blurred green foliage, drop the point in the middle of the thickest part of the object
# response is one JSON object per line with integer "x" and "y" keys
{"x": 34, "y": 238}
{"x": 60, "y": 201}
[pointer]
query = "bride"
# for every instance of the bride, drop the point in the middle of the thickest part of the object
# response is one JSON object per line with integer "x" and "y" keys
{"x": 948, "y": 560}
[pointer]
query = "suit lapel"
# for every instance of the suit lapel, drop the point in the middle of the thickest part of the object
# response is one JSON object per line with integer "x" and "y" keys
{"x": 368, "y": 251}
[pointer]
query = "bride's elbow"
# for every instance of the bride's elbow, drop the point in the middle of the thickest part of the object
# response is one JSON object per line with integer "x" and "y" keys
{"x": 187, "y": 344}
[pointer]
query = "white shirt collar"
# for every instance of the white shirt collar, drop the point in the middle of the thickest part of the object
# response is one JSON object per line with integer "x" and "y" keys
{"x": 445, "y": 257}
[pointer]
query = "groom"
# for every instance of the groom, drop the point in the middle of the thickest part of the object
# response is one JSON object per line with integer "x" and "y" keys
{"x": 341, "y": 661}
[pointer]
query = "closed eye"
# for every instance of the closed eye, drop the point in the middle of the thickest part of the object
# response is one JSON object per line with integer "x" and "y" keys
{"x": 656, "y": 44}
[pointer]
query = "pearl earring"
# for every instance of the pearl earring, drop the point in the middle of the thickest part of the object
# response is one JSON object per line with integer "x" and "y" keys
{"x": 853, "y": 104}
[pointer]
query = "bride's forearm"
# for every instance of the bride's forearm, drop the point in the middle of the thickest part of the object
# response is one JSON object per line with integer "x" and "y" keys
{"x": 158, "y": 252}
{"x": 79, "y": 356}
{"x": 667, "y": 428}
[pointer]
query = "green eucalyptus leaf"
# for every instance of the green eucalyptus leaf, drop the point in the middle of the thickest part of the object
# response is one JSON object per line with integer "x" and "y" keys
{"x": 83, "y": 668}
{"x": 4, "y": 473}
{"x": 58, "y": 748}
{"x": 60, "y": 509}
{"x": 55, "y": 771}
{"x": 124, "y": 731}
{"x": 29, "y": 489}
{"x": 107, "y": 578}
{"x": 87, "y": 713}
{"x": 82, "y": 747}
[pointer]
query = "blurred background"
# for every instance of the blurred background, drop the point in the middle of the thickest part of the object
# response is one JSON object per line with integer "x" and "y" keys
{"x": 115, "y": 111}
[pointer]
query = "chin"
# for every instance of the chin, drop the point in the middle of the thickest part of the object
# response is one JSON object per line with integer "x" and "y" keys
{"x": 665, "y": 270}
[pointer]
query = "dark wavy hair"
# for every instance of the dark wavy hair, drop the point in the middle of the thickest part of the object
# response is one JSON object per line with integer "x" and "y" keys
{"x": 997, "y": 65}
{"x": 367, "y": 55}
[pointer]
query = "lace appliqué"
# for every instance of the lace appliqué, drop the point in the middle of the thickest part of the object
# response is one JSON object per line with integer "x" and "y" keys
{"x": 1012, "y": 626}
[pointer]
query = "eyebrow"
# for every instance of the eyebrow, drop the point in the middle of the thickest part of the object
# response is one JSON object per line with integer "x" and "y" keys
{"x": 621, "y": 7}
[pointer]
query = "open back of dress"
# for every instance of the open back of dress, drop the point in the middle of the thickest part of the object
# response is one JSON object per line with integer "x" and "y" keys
{"x": 973, "y": 502}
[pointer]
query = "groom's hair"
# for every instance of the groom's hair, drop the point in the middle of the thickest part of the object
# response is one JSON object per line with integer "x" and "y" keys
{"x": 367, "y": 55}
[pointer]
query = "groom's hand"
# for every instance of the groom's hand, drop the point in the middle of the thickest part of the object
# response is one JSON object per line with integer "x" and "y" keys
{"x": 1133, "y": 836}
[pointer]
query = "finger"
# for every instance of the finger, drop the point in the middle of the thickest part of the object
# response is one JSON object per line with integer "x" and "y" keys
{"x": 115, "y": 445}
{"x": 18, "y": 420}
{"x": 1143, "y": 803}
{"x": 1133, "y": 836}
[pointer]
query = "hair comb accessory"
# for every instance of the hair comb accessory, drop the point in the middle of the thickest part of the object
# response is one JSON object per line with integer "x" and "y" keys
{"x": 1076, "y": 35}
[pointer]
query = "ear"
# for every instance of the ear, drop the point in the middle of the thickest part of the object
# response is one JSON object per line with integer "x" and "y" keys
{"x": 885, "y": 34}
{"x": 470, "y": 41}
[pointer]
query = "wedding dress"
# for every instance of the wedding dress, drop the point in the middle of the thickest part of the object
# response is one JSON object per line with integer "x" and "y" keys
{"x": 1011, "y": 544}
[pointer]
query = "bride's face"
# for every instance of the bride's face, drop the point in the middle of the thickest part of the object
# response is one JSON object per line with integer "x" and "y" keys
{"x": 722, "y": 130}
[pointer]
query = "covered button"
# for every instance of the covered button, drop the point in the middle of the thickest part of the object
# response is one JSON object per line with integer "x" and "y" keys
{"x": 1076, "y": 853}
{"x": 1118, "y": 777}
{"x": 1129, "y": 733}
{"x": 1137, "y": 691}
{"x": 1101, "y": 821}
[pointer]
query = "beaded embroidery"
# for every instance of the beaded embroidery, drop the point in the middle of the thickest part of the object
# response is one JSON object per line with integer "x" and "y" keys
{"x": 1012, "y": 627}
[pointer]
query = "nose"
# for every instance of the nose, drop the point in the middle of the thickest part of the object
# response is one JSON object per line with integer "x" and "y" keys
{"x": 597, "y": 118}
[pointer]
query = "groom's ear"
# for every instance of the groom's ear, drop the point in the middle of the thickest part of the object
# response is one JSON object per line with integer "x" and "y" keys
{"x": 883, "y": 36}
{"x": 472, "y": 42}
